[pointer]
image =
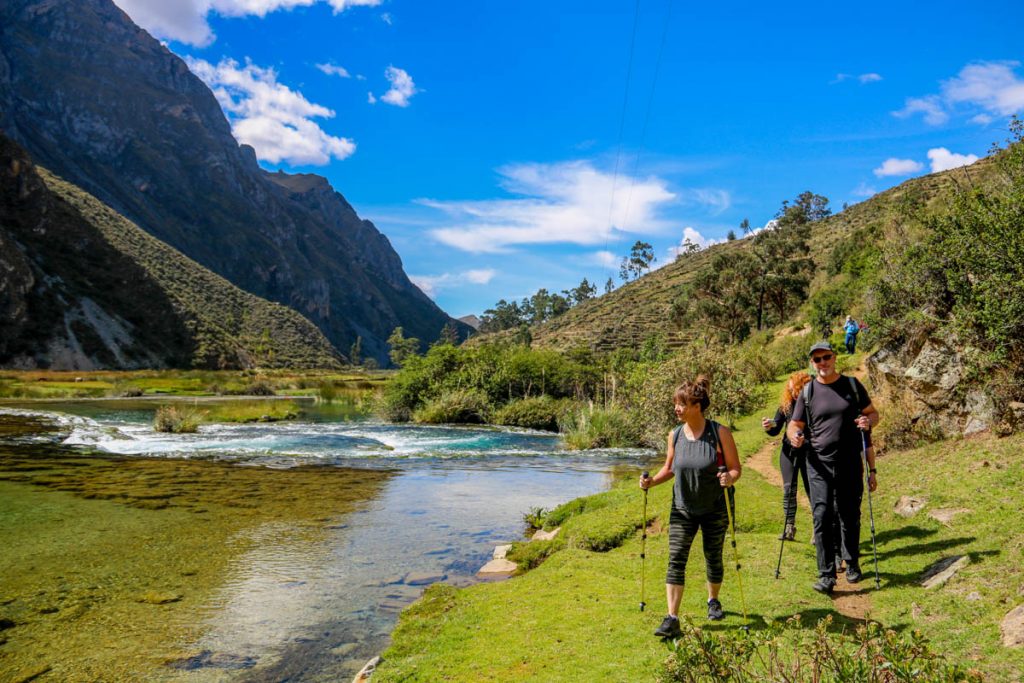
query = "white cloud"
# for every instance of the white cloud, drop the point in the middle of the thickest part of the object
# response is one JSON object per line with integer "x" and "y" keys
{"x": 982, "y": 119}
{"x": 402, "y": 87}
{"x": 863, "y": 78}
{"x": 432, "y": 284}
{"x": 894, "y": 167}
{"x": 864, "y": 190}
{"x": 276, "y": 120}
{"x": 992, "y": 87}
{"x": 370, "y": 98}
{"x": 605, "y": 259}
{"x": 930, "y": 106}
{"x": 334, "y": 70}
{"x": 386, "y": 18}
{"x": 185, "y": 20}
{"x": 715, "y": 200}
{"x": 559, "y": 203}
{"x": 943, "y": 160}
{"x": 693, "y": 236}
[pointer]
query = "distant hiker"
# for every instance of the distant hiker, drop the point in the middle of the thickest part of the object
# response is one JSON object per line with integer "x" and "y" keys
{"x": 695, "y": 450}
{"x": 852, "y": 329}
{"x": 792, "y": 461}
{"x": 829, "y": 412}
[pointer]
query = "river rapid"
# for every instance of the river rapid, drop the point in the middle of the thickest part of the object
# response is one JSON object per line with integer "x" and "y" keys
{"x": 249, "y": 552}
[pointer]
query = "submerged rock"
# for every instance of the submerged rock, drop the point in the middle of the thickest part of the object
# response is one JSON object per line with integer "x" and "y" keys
{"x": 158, "y": 598}
{"x": 213, "y": 660}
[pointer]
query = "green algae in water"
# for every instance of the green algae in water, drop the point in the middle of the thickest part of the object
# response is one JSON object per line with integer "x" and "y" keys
{"x": 112, "y": 566}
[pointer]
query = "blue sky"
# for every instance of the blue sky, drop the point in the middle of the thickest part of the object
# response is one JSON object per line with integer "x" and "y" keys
{"x": 504, "y": 147}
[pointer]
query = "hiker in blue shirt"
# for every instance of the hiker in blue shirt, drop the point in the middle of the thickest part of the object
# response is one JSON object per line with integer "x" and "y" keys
{"x": 852, "y": 328}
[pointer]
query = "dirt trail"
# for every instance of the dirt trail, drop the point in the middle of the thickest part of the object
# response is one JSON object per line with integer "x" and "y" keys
{"x": 849, "y": 599}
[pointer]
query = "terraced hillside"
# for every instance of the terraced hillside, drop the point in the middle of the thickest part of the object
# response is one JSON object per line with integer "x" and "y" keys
{"x": 640, "y": 309}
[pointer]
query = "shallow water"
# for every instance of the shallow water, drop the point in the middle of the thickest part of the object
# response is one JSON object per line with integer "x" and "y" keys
{"x": 248, "y": 552}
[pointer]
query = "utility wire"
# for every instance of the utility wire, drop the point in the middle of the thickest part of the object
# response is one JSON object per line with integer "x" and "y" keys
{"x": 647, "y": 114}
{"x": 622, "y": 125}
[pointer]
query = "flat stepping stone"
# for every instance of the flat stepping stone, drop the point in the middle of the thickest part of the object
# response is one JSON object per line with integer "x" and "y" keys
{"x": 946, "y": 515}
{"x": 942, "y": 571}
{"x": 501, "y": 551}
{"x": 1012, "y": 627}
{"x": 542, "y": 535}
{"x": 499, "y": 566}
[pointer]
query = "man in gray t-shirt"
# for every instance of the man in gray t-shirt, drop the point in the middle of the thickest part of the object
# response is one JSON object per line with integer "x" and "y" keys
{"x": 831, "y": 411}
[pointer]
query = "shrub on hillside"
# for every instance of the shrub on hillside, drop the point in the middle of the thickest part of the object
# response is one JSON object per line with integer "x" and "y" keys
{"x": 460, "y": 406}
{"x": 871, "y": 654}
{"x": 538, "y": 412}
{"x": 177, "y": 419}
{"x": 259, "y": 388}
{"x": 592, "y": 427}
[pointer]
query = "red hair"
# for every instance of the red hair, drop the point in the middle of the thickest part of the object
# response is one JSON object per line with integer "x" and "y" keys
{"x": 791, "y": 391}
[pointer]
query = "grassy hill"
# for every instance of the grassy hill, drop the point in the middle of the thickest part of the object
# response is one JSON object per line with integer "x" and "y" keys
{"x": 639, "y": 309}
{"x": 89, "y": 289}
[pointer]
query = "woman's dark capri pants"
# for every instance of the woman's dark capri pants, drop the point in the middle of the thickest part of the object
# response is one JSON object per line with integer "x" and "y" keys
{"x": 682, "y": 529}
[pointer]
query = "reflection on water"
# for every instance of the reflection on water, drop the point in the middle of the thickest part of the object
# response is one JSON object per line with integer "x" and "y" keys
{"x": 294, "y": 569}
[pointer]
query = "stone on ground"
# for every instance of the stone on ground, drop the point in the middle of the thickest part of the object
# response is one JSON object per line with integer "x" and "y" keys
{"x": 1012, "y": 627}
{"x": 943, "y": 570}
{"x": 908, "y": 506}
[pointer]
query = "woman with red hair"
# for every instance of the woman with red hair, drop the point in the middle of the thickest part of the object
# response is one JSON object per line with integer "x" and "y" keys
{"x": 792, "y": 461}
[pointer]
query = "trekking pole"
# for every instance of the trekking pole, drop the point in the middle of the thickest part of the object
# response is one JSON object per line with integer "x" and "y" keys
{"x": 729, "y": 502}
{"x": 791, "y": 505}
{"x": 643, "y": 549}
{"x": 871, "y": 509}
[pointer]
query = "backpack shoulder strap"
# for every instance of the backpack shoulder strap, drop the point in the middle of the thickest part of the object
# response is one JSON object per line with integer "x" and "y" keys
{"x": 719, "y": 453}
{"x": 856, "y": 394}
{"x": 806, "y": 394}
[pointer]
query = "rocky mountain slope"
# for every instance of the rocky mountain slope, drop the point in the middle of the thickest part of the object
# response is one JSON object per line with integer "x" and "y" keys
{"x": 83, "y": 288}
{"x": 104, "y": 105}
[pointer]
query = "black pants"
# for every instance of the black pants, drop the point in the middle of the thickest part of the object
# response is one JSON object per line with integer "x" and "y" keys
{"x": 792, "y": 463}
{"x": 836, "y": 490}
{"x": 682, "y": 529}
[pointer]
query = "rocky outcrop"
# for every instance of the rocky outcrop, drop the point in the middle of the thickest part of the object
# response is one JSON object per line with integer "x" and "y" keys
{"x": 932, "y": 379}
{"x": 104, "y": 105}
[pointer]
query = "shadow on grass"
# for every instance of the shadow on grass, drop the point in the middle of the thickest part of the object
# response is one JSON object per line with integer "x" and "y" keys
{"x": 809, "y": 618}
{"x": 922, "y": 548}
{"x": 914, "y": 532}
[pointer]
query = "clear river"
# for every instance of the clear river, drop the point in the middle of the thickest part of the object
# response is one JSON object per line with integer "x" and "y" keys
{"x": 249, "y": 552}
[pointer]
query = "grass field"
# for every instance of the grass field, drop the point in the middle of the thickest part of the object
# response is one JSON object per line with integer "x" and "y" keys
{"x": 38, "y": 384}
{"x": 576, "y": 616}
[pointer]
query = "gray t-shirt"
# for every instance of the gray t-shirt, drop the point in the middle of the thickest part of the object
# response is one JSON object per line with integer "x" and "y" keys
{"x": 696, "y": 489}
{"x": 830, "y": 428}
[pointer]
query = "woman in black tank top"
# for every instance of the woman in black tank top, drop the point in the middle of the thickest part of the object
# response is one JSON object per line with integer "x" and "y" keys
{"x": 696, "y": 449}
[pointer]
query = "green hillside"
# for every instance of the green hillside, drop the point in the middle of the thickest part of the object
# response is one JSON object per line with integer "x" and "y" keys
{"x": 91, "y": 290}
{"x": 627, "y": 316}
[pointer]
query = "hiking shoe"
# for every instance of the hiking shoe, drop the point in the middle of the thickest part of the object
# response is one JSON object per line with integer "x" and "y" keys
{"x": 789, "y": 533}
{"x": 853, "y": 573}
{"x": 715, "y": 611}
{"x": 824, "y": 584}
{"x": 669, "y": 628}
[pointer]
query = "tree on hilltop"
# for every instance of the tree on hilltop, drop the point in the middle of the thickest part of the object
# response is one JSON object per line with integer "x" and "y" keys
{"x": 639, "y": 260}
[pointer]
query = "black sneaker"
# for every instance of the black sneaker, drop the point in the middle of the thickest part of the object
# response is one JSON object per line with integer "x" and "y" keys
{"x": 789, "y": 533}
{"x": 669, "y": 628}
{"x": 853, "y": 573}
{"x": 824, "y": 584}
{"x": 715, "y": 611}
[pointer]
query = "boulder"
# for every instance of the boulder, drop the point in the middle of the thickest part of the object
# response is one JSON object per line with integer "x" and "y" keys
{"x": 943, "y": 570}
{"x": 908, "y": 506}
{"x": 501, "y": 551}
{"x": 542, "y": 535}
{"x": 1012, "y": 627}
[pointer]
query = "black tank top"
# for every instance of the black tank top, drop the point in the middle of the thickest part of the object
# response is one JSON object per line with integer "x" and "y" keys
{"x": 695, "y": 466}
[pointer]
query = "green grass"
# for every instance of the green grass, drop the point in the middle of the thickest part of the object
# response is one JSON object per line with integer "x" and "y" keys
{"x": 250, "y": 411}
{"x": 575, "y": 616}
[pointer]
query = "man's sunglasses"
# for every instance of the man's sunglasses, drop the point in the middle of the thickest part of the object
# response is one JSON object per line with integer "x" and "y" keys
{"x": 821, "y": 359}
